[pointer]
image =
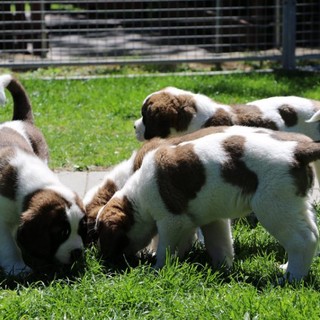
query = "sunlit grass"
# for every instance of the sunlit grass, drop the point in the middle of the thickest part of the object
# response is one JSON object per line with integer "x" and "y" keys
{"x": 89, "y": 123}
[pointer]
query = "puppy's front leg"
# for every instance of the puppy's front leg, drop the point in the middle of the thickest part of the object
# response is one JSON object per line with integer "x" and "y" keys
{"x": 10, "y": 255}
{"x": 172, "y": 233}
{"x": 218, "y": 241}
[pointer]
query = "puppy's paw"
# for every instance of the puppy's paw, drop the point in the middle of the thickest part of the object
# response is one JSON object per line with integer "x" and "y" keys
{"x": 17, "y": 269}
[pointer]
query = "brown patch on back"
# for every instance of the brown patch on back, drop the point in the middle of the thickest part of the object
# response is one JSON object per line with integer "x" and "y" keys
{"x": 37, "y": 140}
{"x": 290, "y": 136}
{"x": 157, "y": 142}
{"x": 235, "y": 171}
{"x": 196, "y": 135}
{"x": 11, "y": 138}
{"x": 180, "y": 175}
{"x": 251, "y": 116}
{"x": 163, "y": 110}
{"x": 219, "y": 118}
{"x": 305, "y": 152}
{"x": 146, "y": 147}
{"x": 8, "y": 174}
{"x": 289, "y": 115}
{"x": 242, "y": 115}
{"x": 113, "y": 225}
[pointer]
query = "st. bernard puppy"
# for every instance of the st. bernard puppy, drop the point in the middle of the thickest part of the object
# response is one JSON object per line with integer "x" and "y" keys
{"x": 207, "y": 181}
{"x": 41, "y": 220}
{"x": 173, "y": 111}
{"x": 98, "y": 196}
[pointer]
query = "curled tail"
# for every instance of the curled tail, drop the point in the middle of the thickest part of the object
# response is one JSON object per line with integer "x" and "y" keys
{"x": 22, "y": 109}
{"x": 315, "y": 117}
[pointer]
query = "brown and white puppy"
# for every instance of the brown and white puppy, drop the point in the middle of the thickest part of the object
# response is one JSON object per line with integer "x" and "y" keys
{"x": 172, "y": 111}
{"x": 98, "y": 196}
{"x": 40, "y": 219}
{"x": 207, "y": 181}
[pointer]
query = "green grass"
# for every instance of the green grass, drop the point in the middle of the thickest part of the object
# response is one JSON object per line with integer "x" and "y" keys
{"x": 187, "y": 289}
{"x": 90, "y": 123}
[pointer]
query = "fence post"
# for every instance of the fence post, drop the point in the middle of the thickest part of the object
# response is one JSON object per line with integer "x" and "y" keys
{"x": 289, "y": 34}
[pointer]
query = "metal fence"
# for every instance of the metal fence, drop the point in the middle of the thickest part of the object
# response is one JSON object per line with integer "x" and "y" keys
{"x": 78, "y": 32}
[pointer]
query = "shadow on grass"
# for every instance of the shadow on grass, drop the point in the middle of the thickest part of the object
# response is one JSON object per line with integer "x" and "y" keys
{"x": 43, "y": 276}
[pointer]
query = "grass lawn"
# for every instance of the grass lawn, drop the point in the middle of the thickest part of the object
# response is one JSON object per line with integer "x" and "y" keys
{"x": 89, "y": 124}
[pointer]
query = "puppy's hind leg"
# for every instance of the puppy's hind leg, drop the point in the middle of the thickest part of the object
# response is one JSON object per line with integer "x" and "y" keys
{"x": 297, "y": 232}
{"x": 218, "y": 242}
{"x": 10, "y": 255}
{"x": 174, "y": 238}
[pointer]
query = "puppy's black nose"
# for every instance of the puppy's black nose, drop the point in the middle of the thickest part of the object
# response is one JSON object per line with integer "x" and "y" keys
{"x": 76, "y": 254}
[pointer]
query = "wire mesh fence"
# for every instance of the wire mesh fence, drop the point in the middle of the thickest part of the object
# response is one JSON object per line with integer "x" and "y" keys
{"x": 40, "y": 33}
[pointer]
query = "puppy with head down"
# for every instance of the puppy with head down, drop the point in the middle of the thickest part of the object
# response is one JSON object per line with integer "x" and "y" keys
{"x": 173, "y": 111}
{"x": 206, "y": 181}
{"x": 41, "y": 221}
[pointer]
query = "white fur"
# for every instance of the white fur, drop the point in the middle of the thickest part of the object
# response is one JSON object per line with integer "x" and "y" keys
{"x": 288, "y": 217}
{"x": 4, "y": 81}
{"x": 119, "y": 174}
{"x": 74, "y": 240}
{"x": 304, "y": 108}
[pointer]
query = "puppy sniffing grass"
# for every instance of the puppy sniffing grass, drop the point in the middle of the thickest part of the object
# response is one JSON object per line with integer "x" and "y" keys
{"x": 41, "y": 220}
{"x": 209, "y": 180}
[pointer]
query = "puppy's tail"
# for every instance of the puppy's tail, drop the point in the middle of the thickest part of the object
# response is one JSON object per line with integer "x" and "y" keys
{"x": 22, "y": 109}
{"x": 315, "y": 117}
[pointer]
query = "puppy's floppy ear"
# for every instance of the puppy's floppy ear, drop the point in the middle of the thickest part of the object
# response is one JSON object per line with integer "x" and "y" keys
{"x": 112, "y": 240}
{"x": 32, "y": 238}
{"x": 186, "y": 111}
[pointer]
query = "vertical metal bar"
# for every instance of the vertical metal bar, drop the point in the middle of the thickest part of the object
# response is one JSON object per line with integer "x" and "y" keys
{"x": 278, "y": 25}
{"x": 217, "y": 26}
{"x": 43, "y": 29}
{"x": 289, "y": 34}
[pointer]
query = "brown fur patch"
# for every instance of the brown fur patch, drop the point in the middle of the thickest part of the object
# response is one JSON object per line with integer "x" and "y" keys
{"x": 103, "y": 195}
{"x": 11, "y": 138}
{"x": 235, "y": 171}
{"x": 220, "y": 118}
{"x": 305, "y": 152}
{"x": 180, "y": 175}
{"x": 37, "y": 140}
{"x": 163, "y": 110}
{"x": 242, "y": 115}
{"x": 146, "y": 147}
{"x": 113, "y": 224}
{"x": 289, "y": 115}
{"x": 251, "y": 116}
{"x": 157, "y": 142}
{"x": 290, "y": 136}
{"x": 195, "y": 135}
{"x": 8, "y": 175}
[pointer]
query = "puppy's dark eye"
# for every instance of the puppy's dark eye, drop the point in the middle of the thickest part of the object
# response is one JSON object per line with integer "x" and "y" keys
{"x": 64, "y": 233}
{"x": 61, "y": 233}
